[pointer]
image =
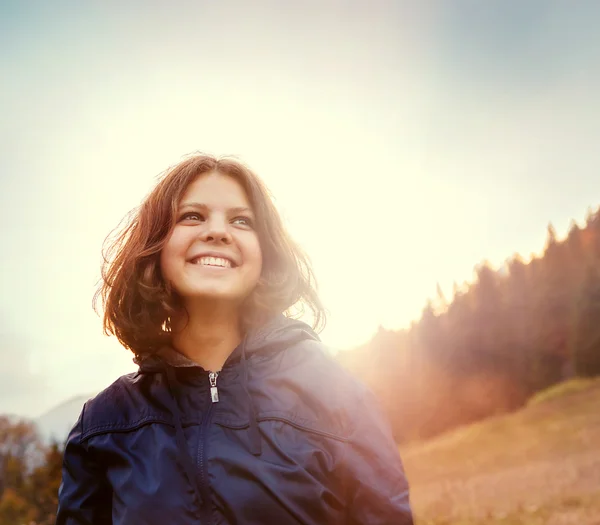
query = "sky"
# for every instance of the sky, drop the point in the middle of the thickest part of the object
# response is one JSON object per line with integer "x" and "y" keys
{"x": 404, "y": 142}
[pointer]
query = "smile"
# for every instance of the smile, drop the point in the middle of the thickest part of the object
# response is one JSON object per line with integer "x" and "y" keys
{"x": 219, "y": 262}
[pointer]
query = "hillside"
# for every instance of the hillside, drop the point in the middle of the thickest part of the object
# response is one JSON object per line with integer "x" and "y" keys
{"x": 539, "y": 465}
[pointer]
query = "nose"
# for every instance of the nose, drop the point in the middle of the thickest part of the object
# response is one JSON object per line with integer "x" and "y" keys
{"x": 216, "y": 231}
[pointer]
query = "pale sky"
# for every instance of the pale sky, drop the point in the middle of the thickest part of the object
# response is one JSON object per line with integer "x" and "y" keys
{"x": 404, "y": 141}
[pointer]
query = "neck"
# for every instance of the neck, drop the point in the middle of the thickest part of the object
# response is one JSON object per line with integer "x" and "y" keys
{"x": 207, "y": 336}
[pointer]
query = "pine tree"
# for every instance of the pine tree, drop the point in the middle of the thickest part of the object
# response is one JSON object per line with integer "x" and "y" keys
{"x": 43, "y": 485}
{"x": 587, "y": 331}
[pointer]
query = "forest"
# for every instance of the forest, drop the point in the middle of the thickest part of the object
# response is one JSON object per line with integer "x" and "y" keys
{"x": 30, "y": 475}
{"x": 508, "y": 334}
{"x": 511, "y": 332}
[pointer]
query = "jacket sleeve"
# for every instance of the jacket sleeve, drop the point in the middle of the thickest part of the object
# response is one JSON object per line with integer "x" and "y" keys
{"x": 84, "y": 496}
{"x": 377, "y": 487}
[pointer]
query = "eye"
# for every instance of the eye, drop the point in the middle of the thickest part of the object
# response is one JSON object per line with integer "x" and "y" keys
{"x": 243, "y": 221}
{"x": 191, "y": 216}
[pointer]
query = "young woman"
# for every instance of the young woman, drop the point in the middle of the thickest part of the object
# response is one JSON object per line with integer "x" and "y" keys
{"x": 237, "y": 413}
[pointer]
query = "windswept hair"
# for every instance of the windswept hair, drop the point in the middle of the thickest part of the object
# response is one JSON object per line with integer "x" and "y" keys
{"x": 138, "y": 303}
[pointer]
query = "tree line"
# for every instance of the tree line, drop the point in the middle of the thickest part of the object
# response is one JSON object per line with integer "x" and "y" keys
{"x": 511, "y": 332}
{"x": 30, "y": 475}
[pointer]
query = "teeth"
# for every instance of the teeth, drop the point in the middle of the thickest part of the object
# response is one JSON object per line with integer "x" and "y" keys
{"x": 213, "y": 261}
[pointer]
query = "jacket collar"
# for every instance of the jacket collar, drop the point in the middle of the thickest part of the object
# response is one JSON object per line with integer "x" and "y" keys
{"x": 175, "y": 359}
{"x": 277, "y": 334}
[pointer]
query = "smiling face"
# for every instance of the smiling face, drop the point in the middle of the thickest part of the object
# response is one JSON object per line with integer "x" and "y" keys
{"x": 213, "y": 252}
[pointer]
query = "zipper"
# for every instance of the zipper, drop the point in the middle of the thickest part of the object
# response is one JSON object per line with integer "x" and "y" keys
{"x": 204, "y": 487}
{"x": 214, "y": 392}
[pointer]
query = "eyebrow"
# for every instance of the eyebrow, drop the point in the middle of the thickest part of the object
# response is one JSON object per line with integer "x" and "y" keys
{"x": 202, "y": 206}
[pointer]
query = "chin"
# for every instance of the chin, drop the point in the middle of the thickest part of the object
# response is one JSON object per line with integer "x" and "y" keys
{"x": 212, "y": 294}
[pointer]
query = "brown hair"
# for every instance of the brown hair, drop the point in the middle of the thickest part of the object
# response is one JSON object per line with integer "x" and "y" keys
{"x": 137, "y": 301}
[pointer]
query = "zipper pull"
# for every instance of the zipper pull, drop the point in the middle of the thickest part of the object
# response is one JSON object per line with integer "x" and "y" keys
{"x": 214, "y": 393}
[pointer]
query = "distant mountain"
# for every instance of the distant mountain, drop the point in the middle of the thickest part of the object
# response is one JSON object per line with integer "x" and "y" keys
{"x": 57, "y": 422}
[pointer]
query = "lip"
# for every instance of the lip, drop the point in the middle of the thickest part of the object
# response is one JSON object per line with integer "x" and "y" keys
{"x": 234, "y": 263}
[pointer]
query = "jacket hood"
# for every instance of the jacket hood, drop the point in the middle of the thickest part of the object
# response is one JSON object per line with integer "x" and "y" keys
{"x": 276, "y": 335}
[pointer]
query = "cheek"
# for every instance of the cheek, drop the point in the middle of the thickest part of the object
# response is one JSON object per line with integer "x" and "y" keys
{"x": 251, "y": 250}
{"x": 258, "y": 257}
{"x": 165, "y": 269}
{"x": 168, "y": 257}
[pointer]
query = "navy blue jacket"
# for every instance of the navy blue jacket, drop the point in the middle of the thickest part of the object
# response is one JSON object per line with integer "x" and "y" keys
{"x": 282, "y": 435}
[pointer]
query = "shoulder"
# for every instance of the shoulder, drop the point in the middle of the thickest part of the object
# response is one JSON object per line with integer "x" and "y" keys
{"x": 315, "y": 364}
{"x": 309, "y": 380}
{"x": 338, "y": 400}
{"x": 120, "y": 406}
{"x": 114, "y": 395}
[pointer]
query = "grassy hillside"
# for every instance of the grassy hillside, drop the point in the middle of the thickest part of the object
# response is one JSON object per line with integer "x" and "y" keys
{"x": 540, "y": 465}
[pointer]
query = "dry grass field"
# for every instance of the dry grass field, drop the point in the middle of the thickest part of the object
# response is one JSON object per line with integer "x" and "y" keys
{"x": 537, "y": 466}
